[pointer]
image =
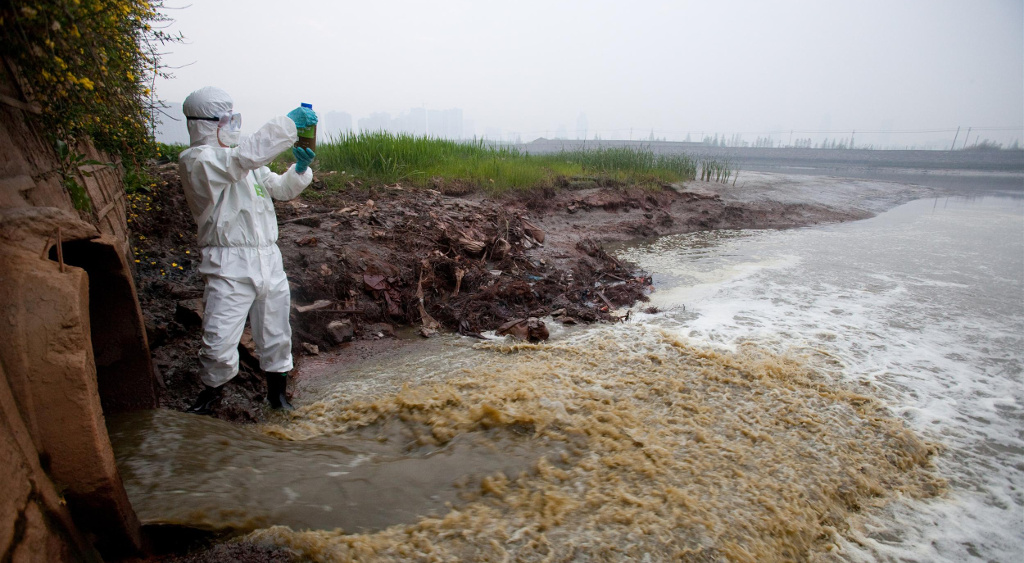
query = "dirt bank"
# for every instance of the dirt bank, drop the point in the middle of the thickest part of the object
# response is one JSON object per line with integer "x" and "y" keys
{"x": 371, "y": 263}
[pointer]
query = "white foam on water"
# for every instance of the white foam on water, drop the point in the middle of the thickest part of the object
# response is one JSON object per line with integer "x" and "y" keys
{"x": 927, "y": 303}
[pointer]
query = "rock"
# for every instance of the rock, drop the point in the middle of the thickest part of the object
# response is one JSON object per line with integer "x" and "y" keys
{"x": 515, "y": 328}
{"x": 311, "y": 349}
{"x": 531, "y": 329}
{"x": 340, "y": 331}
{"x": 427, "y": 332}
{"x": 537, "y": 330}
{"x": 29, "y": 227}
{"x": 567, "y": 320}
{"x": 189, "y": 312}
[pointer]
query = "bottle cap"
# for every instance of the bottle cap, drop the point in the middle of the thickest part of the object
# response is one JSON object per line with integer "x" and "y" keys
{"x": 305, "y": 105}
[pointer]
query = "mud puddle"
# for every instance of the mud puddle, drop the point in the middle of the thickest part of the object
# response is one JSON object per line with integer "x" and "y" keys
{"x": 201, "y": 472}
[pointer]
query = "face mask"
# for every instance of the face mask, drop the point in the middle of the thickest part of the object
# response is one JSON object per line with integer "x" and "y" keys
{"x": 228, "y": 138}
{"x": 229, "y": 126}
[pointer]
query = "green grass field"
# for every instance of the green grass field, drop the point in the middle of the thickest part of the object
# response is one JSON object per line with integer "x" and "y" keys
{"x": 387, "y": 158}
{"x": 383, "y": 157}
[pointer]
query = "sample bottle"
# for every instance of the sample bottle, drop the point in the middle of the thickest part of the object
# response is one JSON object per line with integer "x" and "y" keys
{"x": 307, "y": 135}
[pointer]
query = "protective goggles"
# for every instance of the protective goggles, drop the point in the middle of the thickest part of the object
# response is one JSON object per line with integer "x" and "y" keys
{"x": 226, "y": 120}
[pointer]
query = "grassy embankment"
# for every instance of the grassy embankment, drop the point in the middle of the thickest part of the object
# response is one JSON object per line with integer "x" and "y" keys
{"x": 386, "y": 158}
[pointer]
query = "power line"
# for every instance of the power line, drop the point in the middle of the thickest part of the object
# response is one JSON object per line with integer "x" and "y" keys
{"x": 793, "y": 131}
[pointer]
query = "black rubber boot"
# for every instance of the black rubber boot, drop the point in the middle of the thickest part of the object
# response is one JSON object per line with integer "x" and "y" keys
{"x": 277, "y": 383}
{"x": 204, "y": 403}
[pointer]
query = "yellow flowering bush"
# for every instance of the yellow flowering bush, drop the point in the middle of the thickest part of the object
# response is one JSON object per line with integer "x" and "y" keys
{"x": 91, "y": 65}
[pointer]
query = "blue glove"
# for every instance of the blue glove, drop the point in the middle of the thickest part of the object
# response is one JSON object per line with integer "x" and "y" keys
{"x": 303, "y": 157}
{"x": 303, "y": 117}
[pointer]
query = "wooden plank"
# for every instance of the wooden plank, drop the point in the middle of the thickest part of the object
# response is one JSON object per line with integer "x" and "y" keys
{"x": 106, "y": 208}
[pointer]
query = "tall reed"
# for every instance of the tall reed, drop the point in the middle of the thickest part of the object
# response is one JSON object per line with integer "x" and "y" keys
{"x": 712, "y": 170}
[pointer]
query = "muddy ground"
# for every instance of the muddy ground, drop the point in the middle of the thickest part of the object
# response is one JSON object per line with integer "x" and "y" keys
{"x": 371, "y": 263}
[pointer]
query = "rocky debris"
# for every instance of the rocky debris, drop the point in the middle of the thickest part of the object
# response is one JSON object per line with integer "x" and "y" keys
{"x": 363, "y": 261}
{"x": 417, "y": 258}
{"x": 340, "y": 331}
{"x": 311, "y": 349}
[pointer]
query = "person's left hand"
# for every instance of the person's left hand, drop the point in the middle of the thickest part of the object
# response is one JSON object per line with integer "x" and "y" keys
{"x": 303, "y": 157}
{"x": 303, "y": 117}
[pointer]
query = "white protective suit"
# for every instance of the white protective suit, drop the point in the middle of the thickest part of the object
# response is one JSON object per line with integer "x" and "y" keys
{"x": 229, "y": 192}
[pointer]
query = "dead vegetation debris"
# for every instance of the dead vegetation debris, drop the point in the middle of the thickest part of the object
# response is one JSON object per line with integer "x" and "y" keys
{"x": 364, "y": 262}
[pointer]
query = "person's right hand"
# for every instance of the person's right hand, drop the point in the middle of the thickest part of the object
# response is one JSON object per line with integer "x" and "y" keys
{"x": 303, "y": 157}
{"x": 303, "y": 117}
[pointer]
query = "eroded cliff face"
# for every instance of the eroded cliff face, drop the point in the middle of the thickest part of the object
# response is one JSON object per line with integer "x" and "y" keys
{"x": 72, "y": 346}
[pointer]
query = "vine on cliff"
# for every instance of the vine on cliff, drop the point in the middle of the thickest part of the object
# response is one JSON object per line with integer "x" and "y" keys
{"x": 91, "y": 65}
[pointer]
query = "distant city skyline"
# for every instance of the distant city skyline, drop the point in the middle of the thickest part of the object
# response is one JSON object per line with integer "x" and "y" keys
{"x": 452, "y": 124}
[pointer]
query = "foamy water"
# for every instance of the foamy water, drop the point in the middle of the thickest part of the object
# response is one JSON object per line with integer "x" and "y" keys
{"x": 926, "y": 302}
{"x": 737, "y": 424}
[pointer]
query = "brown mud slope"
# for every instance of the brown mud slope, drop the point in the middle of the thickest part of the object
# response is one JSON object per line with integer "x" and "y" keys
{"x": 364, "y": 262}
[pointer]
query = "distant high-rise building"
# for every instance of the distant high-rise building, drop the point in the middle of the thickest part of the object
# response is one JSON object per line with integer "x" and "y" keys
{"x": 581, "y": 126}
{"x": 414, "y": 122}
{"x": 334, "y": 124}
{"x": 445, "y": 124}
{"x": 379, "y": 121}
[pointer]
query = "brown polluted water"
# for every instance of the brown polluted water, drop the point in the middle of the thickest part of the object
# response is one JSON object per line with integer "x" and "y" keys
{"x": 201, "y": 472}
{"x": 612, "y": 443}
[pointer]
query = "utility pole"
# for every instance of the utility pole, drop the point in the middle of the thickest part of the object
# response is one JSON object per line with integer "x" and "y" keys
{"x": 954, "y": 138}
{"x": 966, "y": 138}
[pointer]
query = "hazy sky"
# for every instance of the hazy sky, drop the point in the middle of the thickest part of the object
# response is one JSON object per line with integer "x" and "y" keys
{"x": 533, "y": 67}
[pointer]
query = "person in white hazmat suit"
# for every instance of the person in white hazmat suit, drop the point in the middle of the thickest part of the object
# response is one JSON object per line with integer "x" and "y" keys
{"x": 229, "y": 190}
